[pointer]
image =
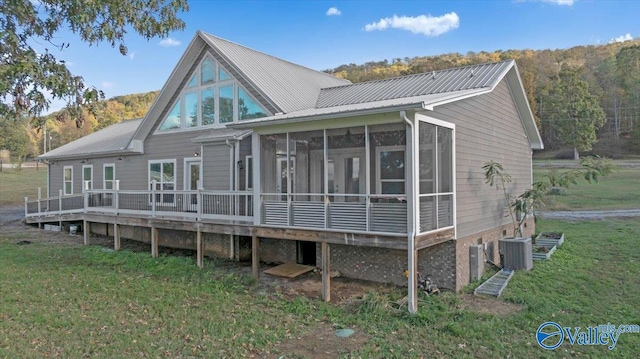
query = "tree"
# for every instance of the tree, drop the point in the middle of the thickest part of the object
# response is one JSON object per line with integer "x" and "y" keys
{"x": 29, "y": 75}
{"x": 15, "y": 139}
{"x": 574, "y": 112}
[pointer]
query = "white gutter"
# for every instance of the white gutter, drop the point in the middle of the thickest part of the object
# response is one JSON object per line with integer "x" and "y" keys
{"x": 411, "y": 229}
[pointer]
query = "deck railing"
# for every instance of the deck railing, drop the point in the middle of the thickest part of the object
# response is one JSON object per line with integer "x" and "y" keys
{"x": 350, "y": 212}
{"x": 200, "y": 204}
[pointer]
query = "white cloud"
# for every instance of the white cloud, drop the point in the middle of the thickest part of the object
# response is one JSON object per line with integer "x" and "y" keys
{"x": 333, "y": 11}
{"x": 169, "y": 42}
{"x": 561, "y": 2}
{"x": 423, "y": 24}
{"x": 622, "y": 38}
{"x": 107, "y": 84}
{"x": 132, "y": 55}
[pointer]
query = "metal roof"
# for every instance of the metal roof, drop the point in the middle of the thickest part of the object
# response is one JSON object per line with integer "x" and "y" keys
{"x": 108, "y": 140}
{"x": 290, "y": 86}
{"x": 415, "y": 102}
{"x": 222, "y": 134}
{"x": 451, "y": 80}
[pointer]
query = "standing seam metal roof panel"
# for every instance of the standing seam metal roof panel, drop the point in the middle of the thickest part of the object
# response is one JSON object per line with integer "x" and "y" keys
{"x": 290, "y": 86}
{"x": 458, "y": 79}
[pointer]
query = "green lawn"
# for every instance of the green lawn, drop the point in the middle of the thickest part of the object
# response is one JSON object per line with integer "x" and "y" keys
{"x": 618, "y": 190}
{"x": 74, "y": 301}
{"x": 15, "y": 185}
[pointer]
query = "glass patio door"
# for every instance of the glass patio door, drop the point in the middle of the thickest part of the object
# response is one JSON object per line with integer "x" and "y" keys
{"x": 345, "y": 172}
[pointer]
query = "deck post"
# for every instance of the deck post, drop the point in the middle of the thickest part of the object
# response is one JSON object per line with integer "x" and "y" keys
{"x": 153, "y": 198}
{"x": 60, "y": 209}
{"x": 255, "y": 257}
{"x": 154, "y": 242}
{"x": 326, "y": 272}
{"x": 39, "y": 199}
{"x": 86, "y": 231}
{"x": 116, "y": 237}
{"x": 26, "y": 211}
{"x": 116, "y": 196}
{"x": 199, "y": 248}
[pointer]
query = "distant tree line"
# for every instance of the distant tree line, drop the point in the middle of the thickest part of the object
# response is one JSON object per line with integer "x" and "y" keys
{"x": 581, "y": 97}
{"x": 586, "y": 99}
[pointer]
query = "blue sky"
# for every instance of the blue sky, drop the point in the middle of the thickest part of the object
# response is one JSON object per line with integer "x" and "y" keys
{"x": 326, "y": 34}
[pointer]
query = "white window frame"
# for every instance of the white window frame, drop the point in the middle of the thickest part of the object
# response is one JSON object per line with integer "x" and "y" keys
{"x": 104, "y": 177}
{"x": 161, "y": 183}
{"x": 64, "y": 180}
{"x": 198, "y": 88}
{"x": 90, "y": 167}
{"x": 379, "y": 180}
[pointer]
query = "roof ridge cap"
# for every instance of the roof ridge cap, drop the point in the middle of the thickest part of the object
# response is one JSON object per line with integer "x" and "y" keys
{"x": 417, "y": 74}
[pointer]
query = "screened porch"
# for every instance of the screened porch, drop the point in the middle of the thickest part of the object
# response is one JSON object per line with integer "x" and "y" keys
{"x": 356, "y": 179}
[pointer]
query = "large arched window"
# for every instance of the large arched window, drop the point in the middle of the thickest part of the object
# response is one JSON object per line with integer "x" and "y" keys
{"x": 211, "y": 97}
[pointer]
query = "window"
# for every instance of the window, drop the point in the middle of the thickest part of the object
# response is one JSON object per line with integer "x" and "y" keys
{"x": 68, "y": 180}
{"x": 226, "y": 104}
{"x": 109, "y": 171}
{"x": 247, "y": 108}
{"x": 211, "y": 97}
{"x": 163, "y": 172}
{"x": 173, "y": 118}
{"x": 390, "y": 162}
{"x": 191, "y": 108}
{"x": 87, "y": 177}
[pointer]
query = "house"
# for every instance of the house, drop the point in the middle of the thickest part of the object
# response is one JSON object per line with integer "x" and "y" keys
{"x": 244, "y": 155}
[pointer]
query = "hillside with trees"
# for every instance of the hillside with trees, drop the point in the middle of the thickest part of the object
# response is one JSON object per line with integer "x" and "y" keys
{"x": 25, "y": 138}
{"x": 585, "y": 98}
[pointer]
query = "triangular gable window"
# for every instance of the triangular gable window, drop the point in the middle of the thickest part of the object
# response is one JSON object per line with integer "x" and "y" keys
{"x": 193, "y": 82}
{"x": 247, "y": 107}
{"x": 211, "y": 101}
{"x": 223, "y": 75}
{"x": 173, "y": 118}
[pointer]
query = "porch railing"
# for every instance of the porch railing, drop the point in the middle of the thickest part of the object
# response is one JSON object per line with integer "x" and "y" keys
{"x": 350, "y": 212}
{"x": 201, "y": 204}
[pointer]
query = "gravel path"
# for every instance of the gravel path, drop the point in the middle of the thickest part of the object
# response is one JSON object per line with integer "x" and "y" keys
{"x": 622, "y": 213}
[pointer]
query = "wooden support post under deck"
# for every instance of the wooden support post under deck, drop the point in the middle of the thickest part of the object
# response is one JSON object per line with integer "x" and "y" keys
{"x": 85, "y": 231}
{"x": 255, "y": 257}
{"x": 116, "y": 237}
{"x": 326, "y": 269}
{"x": 199, "y": 248}
{"x": 154, "y": 242}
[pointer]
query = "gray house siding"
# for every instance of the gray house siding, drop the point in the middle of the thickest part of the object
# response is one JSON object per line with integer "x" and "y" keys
{"x": 488, "y": 127}
{"x": 216, "y": 167}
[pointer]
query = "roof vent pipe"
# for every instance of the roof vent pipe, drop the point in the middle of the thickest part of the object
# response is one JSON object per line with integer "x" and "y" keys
{"x": 471, "y": 73}
{"x": 433, "y": 75}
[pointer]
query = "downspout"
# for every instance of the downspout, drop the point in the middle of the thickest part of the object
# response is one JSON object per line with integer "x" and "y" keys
{"x": 232, "y": 175}
{"x": 412, "y": 260}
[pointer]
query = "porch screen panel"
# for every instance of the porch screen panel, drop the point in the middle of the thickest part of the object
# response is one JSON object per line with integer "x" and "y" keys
{"x": 435, "y": 176}
{"x": 346, "y": 174}
{"x": 274, "y": 201}
{"x": 307, "y": 177}
{"x": 387, "y": 210}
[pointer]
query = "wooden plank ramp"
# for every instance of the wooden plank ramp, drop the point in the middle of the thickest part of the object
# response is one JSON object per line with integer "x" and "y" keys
{"x": 496, "y": 284}
{"x": 289, "y": 270}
